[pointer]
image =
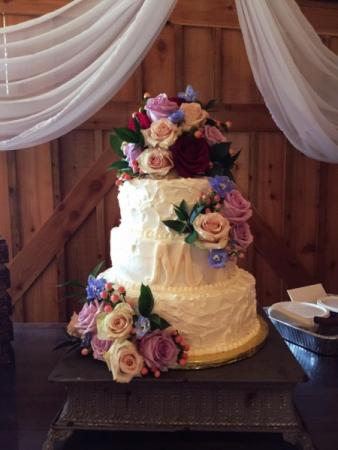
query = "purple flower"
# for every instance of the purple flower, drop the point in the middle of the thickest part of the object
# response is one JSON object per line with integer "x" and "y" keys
{"x": 100, "y": 347}
{"x": 94, "y": 287}
{"x": 190, "y": 95}
{"x": 241, "y": 234}
{"x": 177, "y": 116}
{"x": 235, "y": 207}
{"x": 160, "y": 107}
{"x": 142, "y": 326}
{"x": 158, "y": 350}
{"x": 132, "y": 152}
{"x": 221, "y": 185}
{"x": 217, "y": 258}
{"x": 86, "y": 321}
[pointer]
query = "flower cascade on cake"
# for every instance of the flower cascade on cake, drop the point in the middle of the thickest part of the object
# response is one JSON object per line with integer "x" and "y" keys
{"x": 129, "y": 338}
{"x": 171, "y": 137}
{"x": 217, "y": 222}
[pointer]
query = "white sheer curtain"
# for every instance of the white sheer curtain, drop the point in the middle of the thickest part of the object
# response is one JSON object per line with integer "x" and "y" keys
{"x": 295, "y": 73}
{"x": 57, "y": 70}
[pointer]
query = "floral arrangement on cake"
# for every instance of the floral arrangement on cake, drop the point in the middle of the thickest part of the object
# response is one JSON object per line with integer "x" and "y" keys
{"x": 127, "y": 335}
{"x": 217, "y": 222}
{"x": 172, "y": 136}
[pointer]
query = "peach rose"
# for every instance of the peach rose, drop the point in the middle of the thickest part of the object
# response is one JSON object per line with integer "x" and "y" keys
{"x": 212, "y": 229}
{"x": 162, "y": 133}
{"x": 72, "y": 326}
{"x": 194, "y": 116}
{"x": 124, "y": 361}
{"x": 116, "y": 324}
{"x": 155, "y": 161}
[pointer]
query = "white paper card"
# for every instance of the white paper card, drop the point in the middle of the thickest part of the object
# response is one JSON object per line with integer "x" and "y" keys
{"x": 307, "y": 293}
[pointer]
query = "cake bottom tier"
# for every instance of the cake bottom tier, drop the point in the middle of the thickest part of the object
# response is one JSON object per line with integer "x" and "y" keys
{"x": 214, "y": 318}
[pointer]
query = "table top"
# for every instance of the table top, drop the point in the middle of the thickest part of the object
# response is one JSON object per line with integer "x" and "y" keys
{"x": 272, "y": 364}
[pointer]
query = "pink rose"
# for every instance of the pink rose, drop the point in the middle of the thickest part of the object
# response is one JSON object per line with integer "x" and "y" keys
{"x": 241, "y": 233}
{"x": 116, "y": 324}
{"x": 160, "y": 107}
{"x": 162, "y": 133}
{"x": 235, "y": 207}
{"x": 100, "y": 347}
{"x": 154, "y": 161}
{"x": 213, "y": 135}
{"x": 158, "y": 350}
{"x": 86, "y": 322}
{"x": 212, "y": 229}
{"x": 124, "y": 361}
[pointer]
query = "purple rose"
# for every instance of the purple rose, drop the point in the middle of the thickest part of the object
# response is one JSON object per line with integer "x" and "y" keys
{"x": 235, "y": 207}
{"x": 241, "y": 234}
{"x": 86, "y": 321}
{"x": 213, "y": 135}
{"x": 160, "y": 107}
{"x": 100, "y": 347}
{"x": 158, "y": 350}
{"x": 132, "y": 152}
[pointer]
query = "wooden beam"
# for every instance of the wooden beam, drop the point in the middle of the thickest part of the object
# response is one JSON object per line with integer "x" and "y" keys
{"x": 278, "y": 255}
{"x": 65, "y": 220}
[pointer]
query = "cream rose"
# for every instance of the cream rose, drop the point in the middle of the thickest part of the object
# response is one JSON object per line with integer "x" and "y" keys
{"x": 162, "y": 133}
{"x": 123, "y": 361}
{"x": 212, "y": 229}
{"x": 155, "y": 161}
{"x": 116, "y": 324}
{"x": 194, "y": 115}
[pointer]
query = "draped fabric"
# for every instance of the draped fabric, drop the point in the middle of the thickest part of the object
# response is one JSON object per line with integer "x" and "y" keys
{"x": 295, "y": 73}
{"x": 56, "y": 71}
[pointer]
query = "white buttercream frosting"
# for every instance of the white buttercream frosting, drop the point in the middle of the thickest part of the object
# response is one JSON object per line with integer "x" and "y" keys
{"x": 214, "y": 309}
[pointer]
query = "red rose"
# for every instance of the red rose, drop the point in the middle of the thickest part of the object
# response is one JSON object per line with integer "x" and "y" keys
{"x": 177, "y": 100}
{"x": 143, "y": 119}
{"x": 190, "y": 155}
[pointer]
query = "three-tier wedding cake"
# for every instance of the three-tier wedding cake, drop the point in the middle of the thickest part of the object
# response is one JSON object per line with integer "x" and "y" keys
{"x": 174, "y": 295}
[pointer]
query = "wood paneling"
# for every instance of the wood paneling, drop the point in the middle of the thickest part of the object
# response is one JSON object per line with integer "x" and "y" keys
{"x": 58, "y": 202}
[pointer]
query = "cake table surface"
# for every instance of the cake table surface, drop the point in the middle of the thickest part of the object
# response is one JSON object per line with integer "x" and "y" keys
{"x": 252, "y": 395}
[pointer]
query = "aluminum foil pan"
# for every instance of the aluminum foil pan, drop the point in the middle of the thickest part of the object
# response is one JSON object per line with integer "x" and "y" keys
{"x": 317, "y": 343}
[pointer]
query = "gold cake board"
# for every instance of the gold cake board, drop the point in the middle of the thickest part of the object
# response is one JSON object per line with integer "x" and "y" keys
{"x": 241, "y": 352}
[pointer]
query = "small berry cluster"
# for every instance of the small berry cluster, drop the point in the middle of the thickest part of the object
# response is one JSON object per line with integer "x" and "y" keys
{"x": 111, "y": 296}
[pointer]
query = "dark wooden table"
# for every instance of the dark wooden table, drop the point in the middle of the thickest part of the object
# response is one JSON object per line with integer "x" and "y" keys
{"x": 28, "y": 402}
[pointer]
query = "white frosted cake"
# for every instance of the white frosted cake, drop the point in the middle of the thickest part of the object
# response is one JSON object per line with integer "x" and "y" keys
{"x": 174, "y": 296}
{"x": 214, "y": 309}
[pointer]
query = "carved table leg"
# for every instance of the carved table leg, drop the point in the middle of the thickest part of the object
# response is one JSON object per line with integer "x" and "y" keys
{"x": 299, "y": 438}
{"x": 56, "y": 434}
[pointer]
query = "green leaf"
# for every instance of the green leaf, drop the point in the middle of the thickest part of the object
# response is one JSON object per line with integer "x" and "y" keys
{"x": 219, "y": 152}
{"x": 210, "y": 105}
{"x": 158, "y": 322}
{"x": 191, "y": 238}
{"x": 97, "y": 269}
{"x": 176, "y": 225}
{"x": 119, "y": 165}
{"x": 116, "y": 143}
{"x": 217, "y": 169}
{"x": 74, "y": 283}
{"x": 197, "y": 210}
{"x": 182, "y": 211}
{"x": 127, "y": 135}
{"x": 145, "y": 301}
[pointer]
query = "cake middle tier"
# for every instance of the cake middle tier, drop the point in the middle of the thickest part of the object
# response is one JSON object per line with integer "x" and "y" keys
{"x": 144, "y": 258}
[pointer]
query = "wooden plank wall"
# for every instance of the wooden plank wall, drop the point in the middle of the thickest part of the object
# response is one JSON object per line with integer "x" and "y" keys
{"x": 297, "y": 197}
